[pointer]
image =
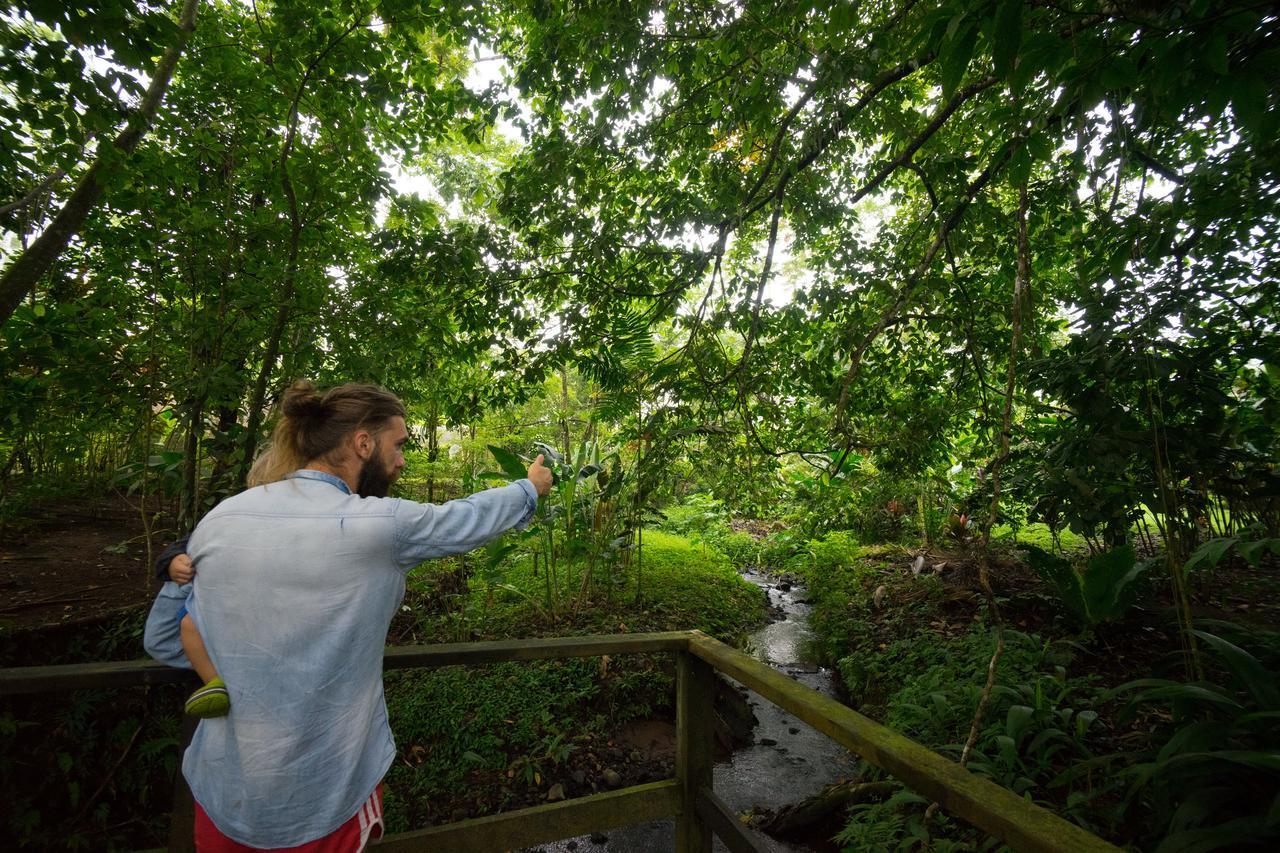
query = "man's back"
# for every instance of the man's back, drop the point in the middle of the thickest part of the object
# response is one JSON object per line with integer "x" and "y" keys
{"x": 296, "y": 587}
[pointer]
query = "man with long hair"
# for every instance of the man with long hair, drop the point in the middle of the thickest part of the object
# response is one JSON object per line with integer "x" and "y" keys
{"x": 296, "y": 582}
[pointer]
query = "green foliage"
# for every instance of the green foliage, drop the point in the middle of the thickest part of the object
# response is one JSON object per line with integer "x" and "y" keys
{"x": 777, "y": 550}
{"x": 93, "y": 768}
{"x": 1102, "y": 590}
{"x": 742, "y": 549}
{"x": 699, "y": 516}
{"x": 1041, "y": 536}
{"x": 687, "y": 585}
{"x": 898, "y": 824}
{"x": 836, "y": 551}
{"x": 694, "y": 587}
{"x": 1212, "y": 783}
{"x": 521, "y": 717}
{"x": 1039, "y": 723}
{"x": 1211, "y": 552}
{"x": 581, "y": 525}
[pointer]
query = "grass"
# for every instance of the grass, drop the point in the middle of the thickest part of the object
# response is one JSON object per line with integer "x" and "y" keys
{"x": 1038, "y": 534}
{"x": 682, "y": 585}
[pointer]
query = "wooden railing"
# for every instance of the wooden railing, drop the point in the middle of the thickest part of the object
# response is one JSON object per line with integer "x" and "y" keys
{"x": 689, "y": 796}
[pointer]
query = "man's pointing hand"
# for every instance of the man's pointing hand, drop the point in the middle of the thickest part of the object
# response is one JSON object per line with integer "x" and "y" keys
{"x": 540, "y": 476}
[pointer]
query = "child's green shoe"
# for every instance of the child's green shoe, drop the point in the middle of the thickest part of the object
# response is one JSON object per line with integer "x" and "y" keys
{"x": 210, "y": 701}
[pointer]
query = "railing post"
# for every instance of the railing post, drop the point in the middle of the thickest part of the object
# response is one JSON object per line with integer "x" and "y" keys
{"x": 182, "y": 821}
{"x": 695, "y": 692}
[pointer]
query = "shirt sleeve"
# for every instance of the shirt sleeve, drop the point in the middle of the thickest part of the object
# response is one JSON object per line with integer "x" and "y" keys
{"x": 167, "y": 555}
{"x": 162, "y": 637}
{"x": 425, "y": 531}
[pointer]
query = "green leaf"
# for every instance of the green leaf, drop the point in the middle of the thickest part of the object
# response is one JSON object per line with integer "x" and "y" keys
{"x": 1017, "y": 720}
{"x": 1193, "y": 693}
{"x": 1119, "y": 261}
{"x": 1006, "y": 37}
{"x": 1244, "y": 666}
{"x": 955, "y": 58}
{"x": 1019, "y": 166}
{"x": 1269, "y": 760}
{"x": 1210, "y": 553}
{"x": 1253, "y": 552}
{"x": 1249, "y": 103}
{"x": 1107, "y": 580}
{"x": 510, "y": 463}
{"x": 1216, "y": 53}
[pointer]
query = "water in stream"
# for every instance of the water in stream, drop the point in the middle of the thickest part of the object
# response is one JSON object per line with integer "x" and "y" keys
{"x": 789, "y": 759}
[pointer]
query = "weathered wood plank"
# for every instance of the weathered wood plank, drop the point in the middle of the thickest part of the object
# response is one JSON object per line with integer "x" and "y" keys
{"x": 448, "y": 654}
{"x": 540, "y": 824}
{"x": 135, "y": 673}
{"x": 695, "y": 696}
{"x": 80, "y": 676}
{"x": 725, "y": 824}
{"x": 182, "y": 820}
{"x": 995, "y": 810}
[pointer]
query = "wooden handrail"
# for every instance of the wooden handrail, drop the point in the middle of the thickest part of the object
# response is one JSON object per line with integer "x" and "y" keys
{"x": 137, "y": 673}
{"x": 995, "y": 810}
{"x": 976, "y": 799}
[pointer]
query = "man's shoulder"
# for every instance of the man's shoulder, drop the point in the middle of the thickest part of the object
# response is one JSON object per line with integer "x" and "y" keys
{"x": 301, "y": 497}
{"x": 249, "y": 498}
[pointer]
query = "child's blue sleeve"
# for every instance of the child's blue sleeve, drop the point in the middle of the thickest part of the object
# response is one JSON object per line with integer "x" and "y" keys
{"x": 162, "y": 637}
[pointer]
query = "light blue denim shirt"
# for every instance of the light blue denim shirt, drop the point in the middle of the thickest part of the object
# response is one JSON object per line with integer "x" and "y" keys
{"x": 296, "y": 584}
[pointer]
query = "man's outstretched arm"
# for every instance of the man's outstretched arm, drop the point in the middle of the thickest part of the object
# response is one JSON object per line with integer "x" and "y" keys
{"x": 426, "y": 531}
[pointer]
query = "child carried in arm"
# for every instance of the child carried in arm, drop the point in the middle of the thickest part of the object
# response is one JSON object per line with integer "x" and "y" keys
{"x": 171, "y": 636}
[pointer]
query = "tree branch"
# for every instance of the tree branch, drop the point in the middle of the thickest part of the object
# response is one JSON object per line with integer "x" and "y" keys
{"x": 909, "y": 286}
{"x": 36, "y": 191}
{"x": 21, "y": 276}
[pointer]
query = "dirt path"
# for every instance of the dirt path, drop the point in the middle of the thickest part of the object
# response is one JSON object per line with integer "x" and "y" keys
{"x": 79, "y": 562}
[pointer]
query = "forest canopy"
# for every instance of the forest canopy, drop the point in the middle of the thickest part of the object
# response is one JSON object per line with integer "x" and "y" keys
{"x": 836, "y": 231}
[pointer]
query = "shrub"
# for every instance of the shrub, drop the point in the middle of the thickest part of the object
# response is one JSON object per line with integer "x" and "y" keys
{"x": 1212, "y": 783}
{"x": 1103, "y": 590}
{"x": 742, "y": 549}
{"x": 699, "y": 516}
{"x": 777, "y": 549}
{"x": 837, "y": 550}
{"x": 696, "y": 587}
{"x": 1039, "y": 721}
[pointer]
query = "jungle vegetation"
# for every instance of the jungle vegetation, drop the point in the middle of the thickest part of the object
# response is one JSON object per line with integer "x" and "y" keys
{"x": 907, "y": 271}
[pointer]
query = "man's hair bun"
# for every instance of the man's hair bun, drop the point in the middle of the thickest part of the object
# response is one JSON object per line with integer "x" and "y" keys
{"x": 302, "y": 402}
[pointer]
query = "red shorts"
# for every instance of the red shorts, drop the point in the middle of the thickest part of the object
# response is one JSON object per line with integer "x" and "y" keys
{"x": 352, "y": 837}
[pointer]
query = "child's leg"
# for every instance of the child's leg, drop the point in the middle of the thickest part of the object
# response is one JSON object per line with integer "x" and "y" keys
{"x": 212, "y": 699}
{"x": 193, "y": 645}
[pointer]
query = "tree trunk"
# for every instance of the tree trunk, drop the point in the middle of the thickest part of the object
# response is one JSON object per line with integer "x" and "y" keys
{"x": 257, "y": 401}
{"x": 564, "y": 415}
{"x": 189, "y": 501}
{"x": 21, "y": 276}
{"x": 220, "y": 481}
{"x": 433, "y": 448}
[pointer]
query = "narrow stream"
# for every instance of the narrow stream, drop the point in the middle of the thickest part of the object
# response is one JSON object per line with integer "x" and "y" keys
{"x": 789, "y": 759}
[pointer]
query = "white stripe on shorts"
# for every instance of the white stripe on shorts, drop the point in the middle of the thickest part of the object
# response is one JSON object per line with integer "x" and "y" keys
{"x": 370, "y": 818}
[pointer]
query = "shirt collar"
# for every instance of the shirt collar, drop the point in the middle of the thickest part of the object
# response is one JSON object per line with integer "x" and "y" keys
{"x": 322, "y": 476}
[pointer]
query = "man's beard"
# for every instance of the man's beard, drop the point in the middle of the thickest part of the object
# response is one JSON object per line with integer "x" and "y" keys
{"x": 374, "y": 480}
